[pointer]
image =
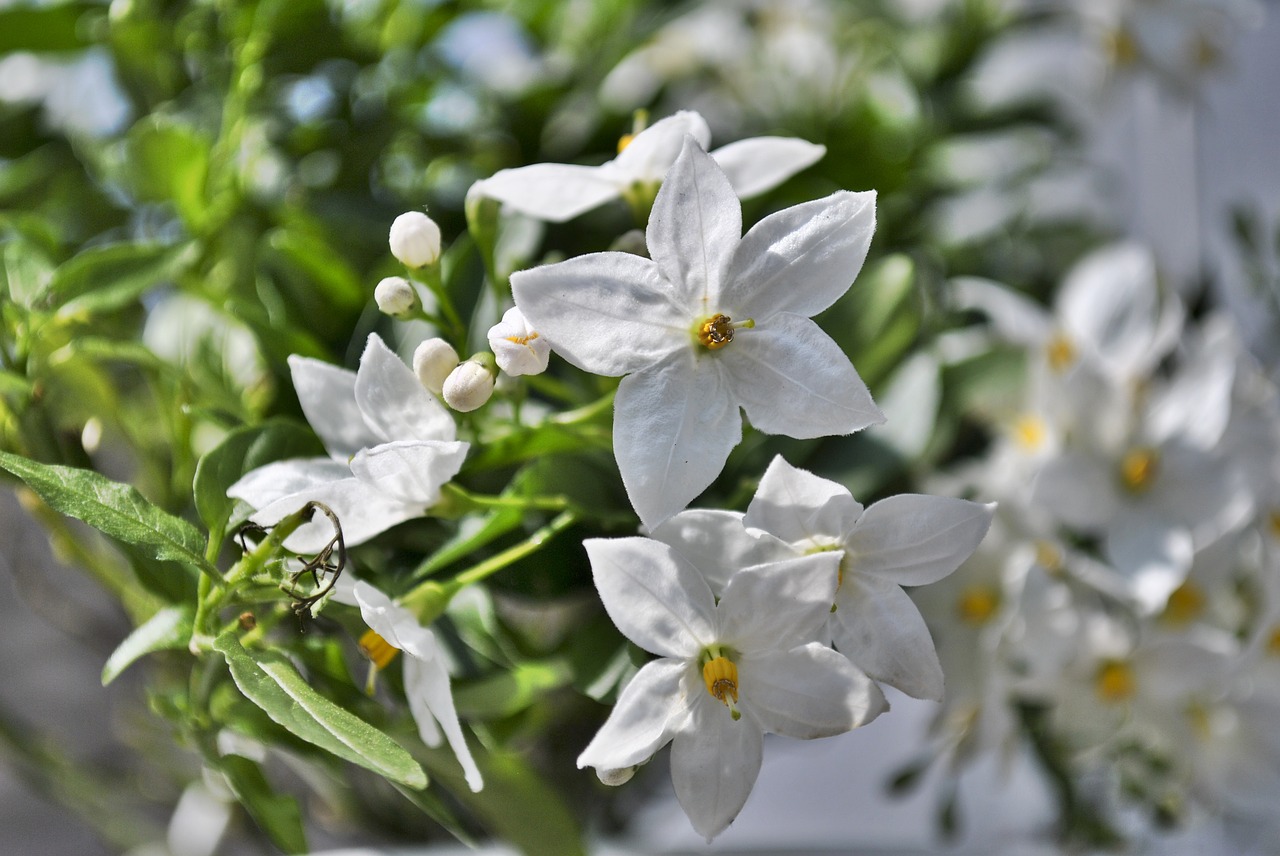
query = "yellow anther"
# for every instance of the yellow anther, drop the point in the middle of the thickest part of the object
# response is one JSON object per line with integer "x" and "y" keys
{"x": 1060, "y": 352}
{"x": 721, "y": 677}
{"x": 977, "y": 604}
{"x": 716, "y": 332}
{"x": 522, "y": 340}
{"x": 1205, "y": 53}
{"x": 1138, "y": 468}
{"x": 1273, "y": 522}
{"x": 1123, "y": 47}
{"x": 1049, "y": 557}
{"x": 378, "y": 650}
{"x": 1273, "y": 641}
{"x": 1185, "y": 604}
{"x": 1030, "y": 432}
{"x": 1114, "y": 681}
{"x": 624, "y": 141}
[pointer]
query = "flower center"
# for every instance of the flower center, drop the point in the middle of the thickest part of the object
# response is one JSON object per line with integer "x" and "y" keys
{"x": 1049, "y": 557}
{"x": 720, "y": 674}
{"x": 378, "y": 650}
{"x": 716, "y": 332}
{"x": 1114, "y": 681}
{"x": 1029, "y": 432}
{"x": 1138, "y": 468}
{"x": 1185, "y": 604}
{"x": 523, "y": 340}
{"x": 1273, "y": 641}
{"x": 977, "y": 604}
{"x": 1060, "y": 352}
{"x": 1273, "y": 522}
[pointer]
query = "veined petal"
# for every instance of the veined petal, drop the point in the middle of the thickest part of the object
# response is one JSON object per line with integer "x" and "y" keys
{"x": 879, "y": 629}
{"x": 913, "y": 540}
{"x": 394, "y": 402}
{"x": 674, "y": 425}
{"x": 777, "y": 606}
{"x": 363, "y": 512}
{"x": 266, "y": 484}
{"x": 800, "y": 508}
{"x": 426, "y": 686}
{"x": 655, "y": 597}
{"x": 792, "y": 379}
{"x": 807, "y": 692}
{"x": 607, "y": 313}
{"x": 327, "y": 394}
{"x": 718, "y": 544}
{"x": 714, "y": 764}
{"x": 652, "y": 151}
{"x": 410, "y": 470}
{"x": 555, "y": 192}
{"x": 694, "y": 227}
{"x": 803, "y": 258}
{"x": 648, "y": 712}
{"x": 759, "y": 164}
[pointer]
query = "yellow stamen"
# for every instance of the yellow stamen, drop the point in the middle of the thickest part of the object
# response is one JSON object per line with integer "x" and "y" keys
{"x": 1049, "y": 557}
{"x": 1030, "y": 432}
{"x": 523, "y": 340}
{"x": 1273, "y": 522}
{"x": 716, "y": 332}
{"x": 1185, "y": 603}
{"x": 1273, "y": 641}
{"x": 624, "y": 141}
{"x": 721, "y": 678}
{"x": 1060, "y": 352}
{"x": 1114, "y": 681}
{"x": 1122, "y": 47}
{"x": 378, "y": 650}
{"x": 1138, "y": 468}
{"x": 977, "y": 604}
{"x": 1205, "y": 53}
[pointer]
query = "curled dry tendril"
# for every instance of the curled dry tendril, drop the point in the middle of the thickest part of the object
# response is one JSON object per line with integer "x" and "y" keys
{"x": 324, "y": 567}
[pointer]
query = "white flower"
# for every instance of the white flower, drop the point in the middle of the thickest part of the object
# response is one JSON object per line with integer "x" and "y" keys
{"x": 426, "y": 678}
{"x": 558, "y": 192}
{"x": 518, "y": 347}
{"x": 908, "y": 539}
{"x": 415, "y": 239}
{"x": 391, "y": 448}
{"x": 395, "y": 296}
{"x": 433, "y": 360}
{"x": 728, "y": 670}
{"x": 717, "y": 321}
{"x": 468, "y": 386}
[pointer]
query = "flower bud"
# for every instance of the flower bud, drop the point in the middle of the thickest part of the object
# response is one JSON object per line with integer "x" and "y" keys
{"x": 415, "y": 239}
{"x": 433, "y": 360}
{"x": 395, "y": 297}
{"x": 470, "y": 384}
{"x": 613, "y": 778}
{"x": 518, "y": 348}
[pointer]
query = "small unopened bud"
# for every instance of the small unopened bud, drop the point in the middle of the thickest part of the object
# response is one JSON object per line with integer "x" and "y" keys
{"x": 518, "y": 348}
{"x": 613, "y": 778}
{"x": 433, "y": 360}
{"x": 415, "y": 239}
{"x": 395, "y": 297}
{"x": 470, "y": 384}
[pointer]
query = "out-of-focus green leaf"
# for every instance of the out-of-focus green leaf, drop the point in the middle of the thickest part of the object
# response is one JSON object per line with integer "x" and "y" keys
{"x": 26, "y": 272}
{"x": 467, "y": 539}
{"x": 113, "y": 508}
{"x": 169, "y": 162}
{"x": 104, "y": 278}
{"x": 507, "y": 693}
{"x": 276, "y": 814}
{"x": 322, "y": 267}
{"x": 270, "y": 681}
{"x": 25, "y": 27}
{"x": 546, "y": 439}
{"x": 168, "y": 629}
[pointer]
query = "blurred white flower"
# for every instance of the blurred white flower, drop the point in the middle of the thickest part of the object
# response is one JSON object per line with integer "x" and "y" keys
{"x": 517, "y": 346}
{"x": 668, "y": 325}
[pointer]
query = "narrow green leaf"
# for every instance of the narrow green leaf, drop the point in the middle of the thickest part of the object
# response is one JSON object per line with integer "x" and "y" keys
{"x": 114, "y": 509}
{"x": 271, "y": 682}
{"x": 167, "y": 630}
{"x": 277, "y": 815}
{"x": 169, "y": 162}
{"x": 25, "y": 27}
{"x": 26, "y": 272}
{"x": 103, "y": 278}
{"x": 322, "y": 266}
{"x": 507, "y": 693}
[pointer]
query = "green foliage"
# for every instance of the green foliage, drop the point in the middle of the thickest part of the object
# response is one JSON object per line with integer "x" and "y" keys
{"x": 168, "y": 629}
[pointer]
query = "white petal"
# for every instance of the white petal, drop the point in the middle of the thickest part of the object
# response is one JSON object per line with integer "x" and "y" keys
{"x": 694, "y": 227}
{"x": 674, "y": 425}
{"x": 1078, "y": 489}
{"x": 410, "y": 470}
{"x": 266, "y": 484}
{"x": 803, "y": 258}
{"x": 362, "y": 511}
{"x": 327, "y": 394}
{"x": 426, "y": 685}
{"x": 913, "y": 540}
{"x": 656, "y": 598}
{"x": 807, "y": 692}
{"x": 1152, "y": 552}
{"x": 714, "y": 765}
{"x": 792, "y": 379}
{"x": 801, "y": 508}
{"x": 1016, "y": 318}
{"x": 718, "y": 544}
{"x": 880, "y": 630}
{"x": 777, "y": 606}
{"x": 758, "y": 164}
{"x": 394, "y": 402}
{"x": 519, "y": 349}
{"x": 648, "y": 712}
{"x": 555, "y": 192}
{"x": 652, "y": 152}
{"x": 387, "y": 618}
{"x": 607, "y": 313}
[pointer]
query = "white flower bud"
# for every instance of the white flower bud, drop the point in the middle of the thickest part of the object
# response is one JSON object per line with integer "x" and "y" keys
{"x": 519, "y": 349}
{"x": 433, "y": 360}
{"x": 415, "y": 239}
{"x": 395, "y": 297}
{"x": 469, "y": 385}
{"x": 613, "y": 778}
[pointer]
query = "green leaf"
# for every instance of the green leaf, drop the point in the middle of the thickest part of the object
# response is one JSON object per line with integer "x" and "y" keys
{"x": 169, "y": 162}
{"x": 271, "y": 682}
{"x": 507, "y": 693}
{"x": 114, "y": 509}
{"x": 322, "y": 268}
{"x": 168, "y": 629}
{"x": 107, "y": 277}
{"x": 44, "y": 28}
{"x": 276, "y": 814}
{"x": 530, "y": 444}
{"x": 26, "y": 272}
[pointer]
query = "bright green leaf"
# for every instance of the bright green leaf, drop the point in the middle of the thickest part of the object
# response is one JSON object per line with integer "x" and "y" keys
{"x": 169, "y": 162}
{"x": 26, "y": 272}
{"x": 507, "y": 693}
{"x": 107, "y": 277}
{"x": 270, "y": 681}
{"x": 25, "y": 27}
{"x": 168, "y": 629}
{"x": 276, "y": 814}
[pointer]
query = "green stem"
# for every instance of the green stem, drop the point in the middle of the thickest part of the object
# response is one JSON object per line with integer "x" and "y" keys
{"x": 431, "y": 278}
{"x": 587, "y": 412}
{"x": 462, "y": 499}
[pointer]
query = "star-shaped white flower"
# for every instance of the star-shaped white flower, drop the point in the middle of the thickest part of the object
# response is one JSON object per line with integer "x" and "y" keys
{"x": 557, "y": 192}
{"x": 716, "y": 321}
{"x": 426, "y": 678}
{"x": 728, "y": 670}
{"x": 391, "y": 448}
